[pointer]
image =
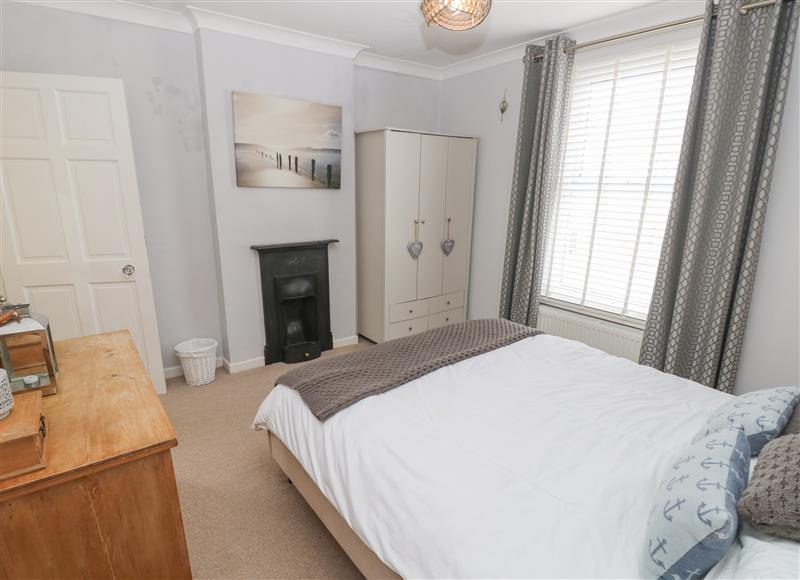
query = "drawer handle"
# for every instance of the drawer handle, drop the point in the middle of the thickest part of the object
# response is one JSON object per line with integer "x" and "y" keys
{"x": 411, "y": 312}
{"x": 411, "y": 328}
{"x": 448, "y": 303}
{"x": 447, "y": 320}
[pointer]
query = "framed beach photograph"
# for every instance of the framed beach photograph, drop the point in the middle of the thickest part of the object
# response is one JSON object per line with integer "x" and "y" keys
{"x": 286, "y": 143}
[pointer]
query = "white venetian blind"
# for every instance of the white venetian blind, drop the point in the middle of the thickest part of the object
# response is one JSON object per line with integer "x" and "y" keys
{"x": 624, "y": 130}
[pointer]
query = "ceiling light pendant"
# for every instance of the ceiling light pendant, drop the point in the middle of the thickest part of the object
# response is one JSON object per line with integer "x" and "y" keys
{"x": 455, "y": 14}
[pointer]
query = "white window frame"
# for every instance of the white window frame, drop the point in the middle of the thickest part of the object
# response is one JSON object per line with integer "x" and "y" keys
{"x": 590, "y": 312}
{"x": 686, "y": 33}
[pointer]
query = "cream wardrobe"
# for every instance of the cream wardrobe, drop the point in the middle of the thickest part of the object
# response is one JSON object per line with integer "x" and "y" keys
{"x": 414, "y": 196}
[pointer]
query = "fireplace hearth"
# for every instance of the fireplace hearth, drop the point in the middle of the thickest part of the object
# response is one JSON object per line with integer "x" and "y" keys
{"x": 296, "y": 294}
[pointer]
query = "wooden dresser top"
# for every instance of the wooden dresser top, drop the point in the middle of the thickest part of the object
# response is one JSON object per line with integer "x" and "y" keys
{"x": 106, "y": 412}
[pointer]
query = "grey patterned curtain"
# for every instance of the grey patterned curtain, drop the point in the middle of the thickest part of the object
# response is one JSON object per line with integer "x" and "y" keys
{"x": 708, "y": 261}
{"x": 548, "y": 71}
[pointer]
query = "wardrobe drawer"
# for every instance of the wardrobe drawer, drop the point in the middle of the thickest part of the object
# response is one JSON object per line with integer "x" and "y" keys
{"x": 447, "y": 302}
{"x": 446, "y": 317}
{"x": 408, "y": 310}
{"x": 407, "y": 328}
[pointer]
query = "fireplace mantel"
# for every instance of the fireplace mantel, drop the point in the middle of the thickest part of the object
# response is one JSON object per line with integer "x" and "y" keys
{"x": 294, "y": 245}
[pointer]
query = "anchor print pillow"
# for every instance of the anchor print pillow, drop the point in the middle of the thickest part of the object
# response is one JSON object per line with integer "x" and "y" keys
{"x": 762, "y": 415}
{"x": 694, "y": 520}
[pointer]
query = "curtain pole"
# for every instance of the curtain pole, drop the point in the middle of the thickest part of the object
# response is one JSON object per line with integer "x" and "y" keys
{"x": 666, "y": 26}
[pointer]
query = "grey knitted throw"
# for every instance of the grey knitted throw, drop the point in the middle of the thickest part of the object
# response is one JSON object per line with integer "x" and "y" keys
{"x": 329, "y": 385}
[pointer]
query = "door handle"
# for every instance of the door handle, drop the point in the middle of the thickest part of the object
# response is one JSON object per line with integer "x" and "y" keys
{"x": 128, "y": 270}
{"x": 415, "y": 247}
{"x": 448, "y": 243}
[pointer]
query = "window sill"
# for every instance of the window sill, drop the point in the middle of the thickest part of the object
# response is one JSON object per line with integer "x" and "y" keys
{"x": 593, "y": 313}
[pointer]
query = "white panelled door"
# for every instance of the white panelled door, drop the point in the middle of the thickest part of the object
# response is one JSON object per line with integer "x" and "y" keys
{"x": 72, "y": 235}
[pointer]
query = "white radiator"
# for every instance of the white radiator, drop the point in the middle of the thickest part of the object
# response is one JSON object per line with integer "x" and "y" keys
{"x": 616, "y": 339}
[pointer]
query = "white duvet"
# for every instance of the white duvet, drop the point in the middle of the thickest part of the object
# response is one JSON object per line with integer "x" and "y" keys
{"x": 539, "y": 459}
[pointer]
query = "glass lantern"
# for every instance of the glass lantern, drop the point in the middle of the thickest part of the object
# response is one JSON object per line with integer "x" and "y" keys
{"x": 27, "y": 354}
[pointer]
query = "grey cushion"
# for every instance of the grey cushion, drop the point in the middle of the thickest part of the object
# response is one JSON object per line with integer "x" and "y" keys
{"x": 762, "y": 415}
{"x": 771, "y": 501}
{"x": 694, "y": 521}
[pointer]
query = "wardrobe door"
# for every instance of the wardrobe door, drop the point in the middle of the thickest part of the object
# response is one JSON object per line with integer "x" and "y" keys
{"x": 432, "y": 187}
{"x": 402, "y": 210}
{"x": 458, "y": 209}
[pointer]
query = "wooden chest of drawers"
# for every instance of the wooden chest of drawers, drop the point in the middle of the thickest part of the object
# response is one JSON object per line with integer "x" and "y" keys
{"x": 106, "y": 505}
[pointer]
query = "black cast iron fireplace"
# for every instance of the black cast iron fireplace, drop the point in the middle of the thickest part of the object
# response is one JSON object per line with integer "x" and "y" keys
{"x": 295, "y": 290}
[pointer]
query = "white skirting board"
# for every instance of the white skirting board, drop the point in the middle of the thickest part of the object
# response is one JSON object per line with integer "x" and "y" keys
{"x": 177, "y": 371}
{"x": 254, "y": 363}
{"x": 243, "y": 365}
{"x": 616, "y": 339}
{"x": 346, "y": 341}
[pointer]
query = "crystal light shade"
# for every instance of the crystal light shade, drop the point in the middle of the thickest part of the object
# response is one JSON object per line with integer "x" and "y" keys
{"x": 455, "y": 14}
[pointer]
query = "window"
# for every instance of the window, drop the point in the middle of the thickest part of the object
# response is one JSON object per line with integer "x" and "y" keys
{"x": 624, "y": 130}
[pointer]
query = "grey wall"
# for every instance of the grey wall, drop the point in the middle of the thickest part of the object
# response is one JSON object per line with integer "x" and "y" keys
{"x": 247, "y": 216}
{"x": 469, "y": 106}
{"x": 771, "y": 354}
{"x": 772, "y": 339}
{"x": 198, "y": 224}
{"x": 188, "y": 205}
{"x": 387, "y": 99}
{"x": 472, "y": 109}
{"x": 159, "y": 70}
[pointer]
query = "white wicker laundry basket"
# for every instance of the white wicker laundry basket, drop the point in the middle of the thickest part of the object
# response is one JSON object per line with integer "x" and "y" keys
{"x": 198, "y": 358}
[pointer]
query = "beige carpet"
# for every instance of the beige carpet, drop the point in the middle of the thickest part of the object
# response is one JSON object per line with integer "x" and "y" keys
{"x": 243, "y": 519}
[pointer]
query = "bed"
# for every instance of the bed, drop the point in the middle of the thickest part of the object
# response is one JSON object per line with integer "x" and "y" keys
{"x": 538, "y": 459}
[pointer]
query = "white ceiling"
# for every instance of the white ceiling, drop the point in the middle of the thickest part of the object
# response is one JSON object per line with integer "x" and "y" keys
{"x": 396, "y": 29}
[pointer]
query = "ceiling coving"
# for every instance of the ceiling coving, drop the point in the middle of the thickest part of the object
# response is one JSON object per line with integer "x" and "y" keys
{"x": 382, "y": 34}
{"x": 455, "y": 14}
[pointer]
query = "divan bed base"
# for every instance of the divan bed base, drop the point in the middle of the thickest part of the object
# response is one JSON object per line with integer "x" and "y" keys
{"x": 362, "y": 556}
